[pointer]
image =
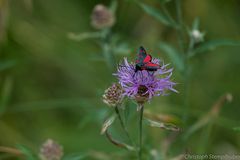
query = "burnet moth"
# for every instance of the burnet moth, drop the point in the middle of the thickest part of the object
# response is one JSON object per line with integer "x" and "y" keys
{"x": 144, "y": 61}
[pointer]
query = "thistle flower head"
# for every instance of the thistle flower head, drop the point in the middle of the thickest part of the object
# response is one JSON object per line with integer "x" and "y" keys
{"x": 113, "y": 95}
{"x": 50, "y": 150}
{"x": 102, "y": 17}
{"x": 143, "y": 85}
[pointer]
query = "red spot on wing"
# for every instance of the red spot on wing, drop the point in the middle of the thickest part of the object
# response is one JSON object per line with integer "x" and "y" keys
{"x": 150, "y": 64}
{"x": 147, "y": 59}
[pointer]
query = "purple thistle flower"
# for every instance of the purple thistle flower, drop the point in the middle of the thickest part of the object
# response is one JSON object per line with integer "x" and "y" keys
{"x": 143, "y": 85}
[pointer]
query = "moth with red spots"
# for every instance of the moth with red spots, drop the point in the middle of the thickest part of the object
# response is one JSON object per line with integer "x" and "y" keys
{"x": 144, "y": 61}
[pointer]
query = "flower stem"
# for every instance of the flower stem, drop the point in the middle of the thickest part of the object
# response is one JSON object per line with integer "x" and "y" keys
{"x": 186, "y": 52}
{"x": 140, "y": 131}
{"x": 186, "y": 80}
{"x": 122, "y": 124}
{"x": 180, "y": 29}
{"x": 10, "y": 150}
{"x": 107, "y": 49}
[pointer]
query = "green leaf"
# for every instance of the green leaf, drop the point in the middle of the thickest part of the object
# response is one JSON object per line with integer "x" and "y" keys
{"x": 196, "y": 24}
{"x": 97, "y": 57}
{"x": 156, "y": 14}
{"x": 118, "y": 143}
{"x": 6, "y": 93}
{"x": 126, "y": 112}
{"x": 84, "y": 36}
{"x": 237, "y": 129}
{"x": 108, "y": 123}
{"x": 210, "y": 117}
{"x": 212, "y": 44}
{"x": 27, "y": 152}
{"x": 166, "y": 126}
{"x": 92, "y": 117}
{"x": 113, "y": 6}
{"x": 77, "y": 156}
{"x": 7, "y": 64}
{"x": 128, "y": 108}
{"x": 173, "y": 54}
{"x": 164, "y": 1}
{"x": 55, "y": 103}
{"x": 198, "y": 125}
{"x": 122, "y": 49}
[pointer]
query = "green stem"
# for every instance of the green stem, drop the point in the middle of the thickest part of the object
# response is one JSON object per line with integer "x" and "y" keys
{"x": 107, "y": 49}
{"x": 123, "y": 125}
{"x": 180, "y": 25}
{"x": 205, "y": 138}
{"x": 187, "y": 52}
{"x": 166, "y": 12}
{"x": 6, "y": 91}
{"x": 140, "y": 131}
{"x": 113, "y": 6}
{"x": 186, "y": 80}
{"x": 83, "y": 36}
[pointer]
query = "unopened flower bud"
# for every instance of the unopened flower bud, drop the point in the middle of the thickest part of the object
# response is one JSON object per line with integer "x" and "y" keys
{"x": 197, "y": 36}
{"x": 50, "y": 150}
{"x": 113, "y": 95}
{"x": 102, "y": 17}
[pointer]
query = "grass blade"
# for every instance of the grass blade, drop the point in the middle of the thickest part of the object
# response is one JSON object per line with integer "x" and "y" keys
{"x": 213, "y": 44}
{"x": 160, "y": 16}
{"x": 173, "y": 54}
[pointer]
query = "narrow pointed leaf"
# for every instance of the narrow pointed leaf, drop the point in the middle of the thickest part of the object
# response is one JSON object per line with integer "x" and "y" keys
{"x": 113, "y": 6}
{"x": 196, "y": 24}
{"x": 6, "y": 94}
{"x": 27, "y": 153}
{"x": 84, "y": 36}
{"x": 156, "y": 14}
{"x": 7, "y": 64}
{"x": 78, "y": 156}
{"x": 11, "y": 151}
{"x": 210, "y": 117}
{"x": 198, "y": 125}
{"x": 122, "y": 49}
{"x": 165, "y": 118}
{"x": 213, "y": 44}
{"x": 108, "y": 123}
{"x": 173, "y": 54}
{"x": 164, "y": 1}
{"x": 167, "y": 126}
{"x": 237, "y": 129}
{"x": 118, "y": 143}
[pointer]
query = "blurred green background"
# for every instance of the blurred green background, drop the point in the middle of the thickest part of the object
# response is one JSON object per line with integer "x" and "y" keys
{"x": 51, "y": 86}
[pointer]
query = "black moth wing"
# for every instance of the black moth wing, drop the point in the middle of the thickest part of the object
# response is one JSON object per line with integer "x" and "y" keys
{"x": 142, "y": 54}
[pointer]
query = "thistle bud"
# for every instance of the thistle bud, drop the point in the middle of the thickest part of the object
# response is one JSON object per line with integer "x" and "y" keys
{"x": 50, "y": 150}
{"x": 197, "y": 36}
{"x": 102, "y": 17}
{"x": 113, "y": 95}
